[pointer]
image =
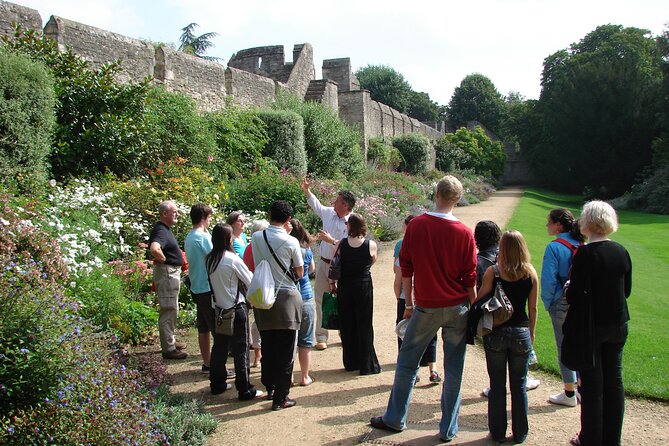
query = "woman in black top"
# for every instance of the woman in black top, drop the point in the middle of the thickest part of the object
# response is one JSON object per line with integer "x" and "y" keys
{"x": 601, "y": 280}
{"x": 355, "y": 298}
{"x": 509, "y": 344}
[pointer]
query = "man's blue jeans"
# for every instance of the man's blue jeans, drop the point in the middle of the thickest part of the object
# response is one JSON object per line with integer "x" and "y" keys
{"x": 423, "y": 325}
{"x": 558, "y": 313}
{"x": 507, "y": 346}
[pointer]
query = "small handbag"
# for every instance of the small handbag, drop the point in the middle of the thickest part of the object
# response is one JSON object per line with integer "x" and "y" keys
{"x": 504, "y": 309}
{"x": 225, "y": 318}
{"x": 334, "y": 273}
{"x": 330, "y": 311}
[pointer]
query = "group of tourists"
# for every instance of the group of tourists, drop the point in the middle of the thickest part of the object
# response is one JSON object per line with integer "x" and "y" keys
{"x": 444, "y": 275}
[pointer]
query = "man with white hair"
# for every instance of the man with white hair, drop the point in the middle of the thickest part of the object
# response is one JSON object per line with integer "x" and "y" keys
{"x": 167, "y": 263}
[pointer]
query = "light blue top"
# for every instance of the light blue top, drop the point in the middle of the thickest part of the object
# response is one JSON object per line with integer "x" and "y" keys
{"x": 240, "y": 247}
{"x": 197, "y": 245}
{"x": 555, "y": 269}
{"x": 305, "y": 284}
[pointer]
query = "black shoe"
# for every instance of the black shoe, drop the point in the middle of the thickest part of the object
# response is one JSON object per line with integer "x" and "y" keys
{"x": 378, "y": 423}
{"x": 219, "y": 390}
{"x": 270, "y": 395}
{"x": 206, "y": 369}
{"x": 285, "y": 405}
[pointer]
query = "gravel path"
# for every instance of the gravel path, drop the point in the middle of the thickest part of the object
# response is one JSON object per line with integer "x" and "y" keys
{"x": 336, "y": 409}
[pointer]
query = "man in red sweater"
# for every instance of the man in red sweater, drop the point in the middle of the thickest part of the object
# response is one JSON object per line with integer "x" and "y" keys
{"x": 438, "y": 262}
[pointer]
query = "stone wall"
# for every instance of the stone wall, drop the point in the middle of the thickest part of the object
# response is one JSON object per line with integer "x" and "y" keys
{"x": 302, "y": 69}
{"x": 269, "y": 61}
{"x": 27, "y": 18}
{"x": 98, "y": 47}
{"x": 248, "y": 89}
{"x": 517, "y": 171}
{"x": 375, "y": 119}
{"x": 339, "y": 70}
{"x": 201, "y": 79}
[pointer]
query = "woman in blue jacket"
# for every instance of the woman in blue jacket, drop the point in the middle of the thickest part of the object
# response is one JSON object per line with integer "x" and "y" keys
{"x": 554, "y": 274}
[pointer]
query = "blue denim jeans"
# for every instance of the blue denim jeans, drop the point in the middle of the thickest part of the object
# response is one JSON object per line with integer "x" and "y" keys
{"x": 558, "y": 312}
{"x": 507, "y": 346}
{"x": 423, "y": 325}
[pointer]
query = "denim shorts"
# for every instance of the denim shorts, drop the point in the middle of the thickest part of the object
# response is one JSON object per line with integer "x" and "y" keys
{"x": 306, "y": 334}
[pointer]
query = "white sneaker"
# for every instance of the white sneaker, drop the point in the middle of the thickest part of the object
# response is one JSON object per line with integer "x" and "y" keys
{"x": 563, "y": 399}
{"x": 531, "y": 383}
{"x": 485, "y": 392}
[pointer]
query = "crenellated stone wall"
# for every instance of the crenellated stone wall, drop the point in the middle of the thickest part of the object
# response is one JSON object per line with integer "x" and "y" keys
{"x": 27, "y": 18}
{"x": 252, "y": 78}
{"x": 98, "y": 47}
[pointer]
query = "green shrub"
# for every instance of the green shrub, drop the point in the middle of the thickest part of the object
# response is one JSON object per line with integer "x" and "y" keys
{"x": 99, "y": 120}
{"x": 475, "y": 151}
{"x": 240, "y": 137}
{"x": 27, "y": 117}
{"x": 285, "y": 132}
{"x": 651, "y": 194}
{"x": 333, "y": 148}
{"x": 175, "y": 129}
{"x": 382, "y": 155}
{"x": 257, "y": 191}
{"x": 450, "y": 156}
{"x": 415, "y": 151}
{"x": 183, "y": 422}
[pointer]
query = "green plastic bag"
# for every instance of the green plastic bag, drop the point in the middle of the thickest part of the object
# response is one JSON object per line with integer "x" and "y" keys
{"x": 330, "y": 312}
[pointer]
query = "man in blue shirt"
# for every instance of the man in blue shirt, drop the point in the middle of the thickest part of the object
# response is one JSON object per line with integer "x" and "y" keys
{"x": 197, "y": 245}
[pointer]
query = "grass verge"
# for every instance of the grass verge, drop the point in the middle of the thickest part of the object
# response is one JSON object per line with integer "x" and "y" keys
{"x": 646, "y": 237}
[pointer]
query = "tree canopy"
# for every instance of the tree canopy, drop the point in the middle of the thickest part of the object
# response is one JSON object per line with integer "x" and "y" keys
{"x": 423, "y": 108}
{"x": 194, "y": 45}
{"x": 598, "y": 106}
{"x": 476, "y": 99}
{"x": 386, "y": 85}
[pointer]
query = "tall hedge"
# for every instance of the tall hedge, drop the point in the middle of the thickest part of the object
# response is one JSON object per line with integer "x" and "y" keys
{"x": 333, "y": 148}
{"x": 415, "y": 151}
{"x": 285, "y": 145}
{"x": 27, "y": 118}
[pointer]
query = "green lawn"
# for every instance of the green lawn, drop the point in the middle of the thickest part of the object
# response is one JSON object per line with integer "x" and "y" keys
{"x": 646, "y": 237}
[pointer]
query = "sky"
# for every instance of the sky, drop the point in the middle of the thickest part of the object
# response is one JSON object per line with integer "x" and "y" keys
{"x": 434, "y": 44}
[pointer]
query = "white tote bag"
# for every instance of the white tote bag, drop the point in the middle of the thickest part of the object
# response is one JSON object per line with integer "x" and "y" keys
{"x": 261, "y": 292}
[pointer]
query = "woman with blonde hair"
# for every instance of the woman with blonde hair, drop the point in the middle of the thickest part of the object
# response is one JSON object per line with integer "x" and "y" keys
{"x": 509, "y": 344}
{"x": 601, "y": 282}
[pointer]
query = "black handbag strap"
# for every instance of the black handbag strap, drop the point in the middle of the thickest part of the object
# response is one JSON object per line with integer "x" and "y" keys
{"x": 285, "y": 270}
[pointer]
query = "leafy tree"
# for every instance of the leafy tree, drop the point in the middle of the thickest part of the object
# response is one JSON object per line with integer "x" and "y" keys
{"x": 599, "y": 103}
{"x": 465, "y": 149}
{"x": 194, "y": 45}
{"x": 386, "y": 85}
{"x": 476, "y": 99}
{"x": 423, "y": 108}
